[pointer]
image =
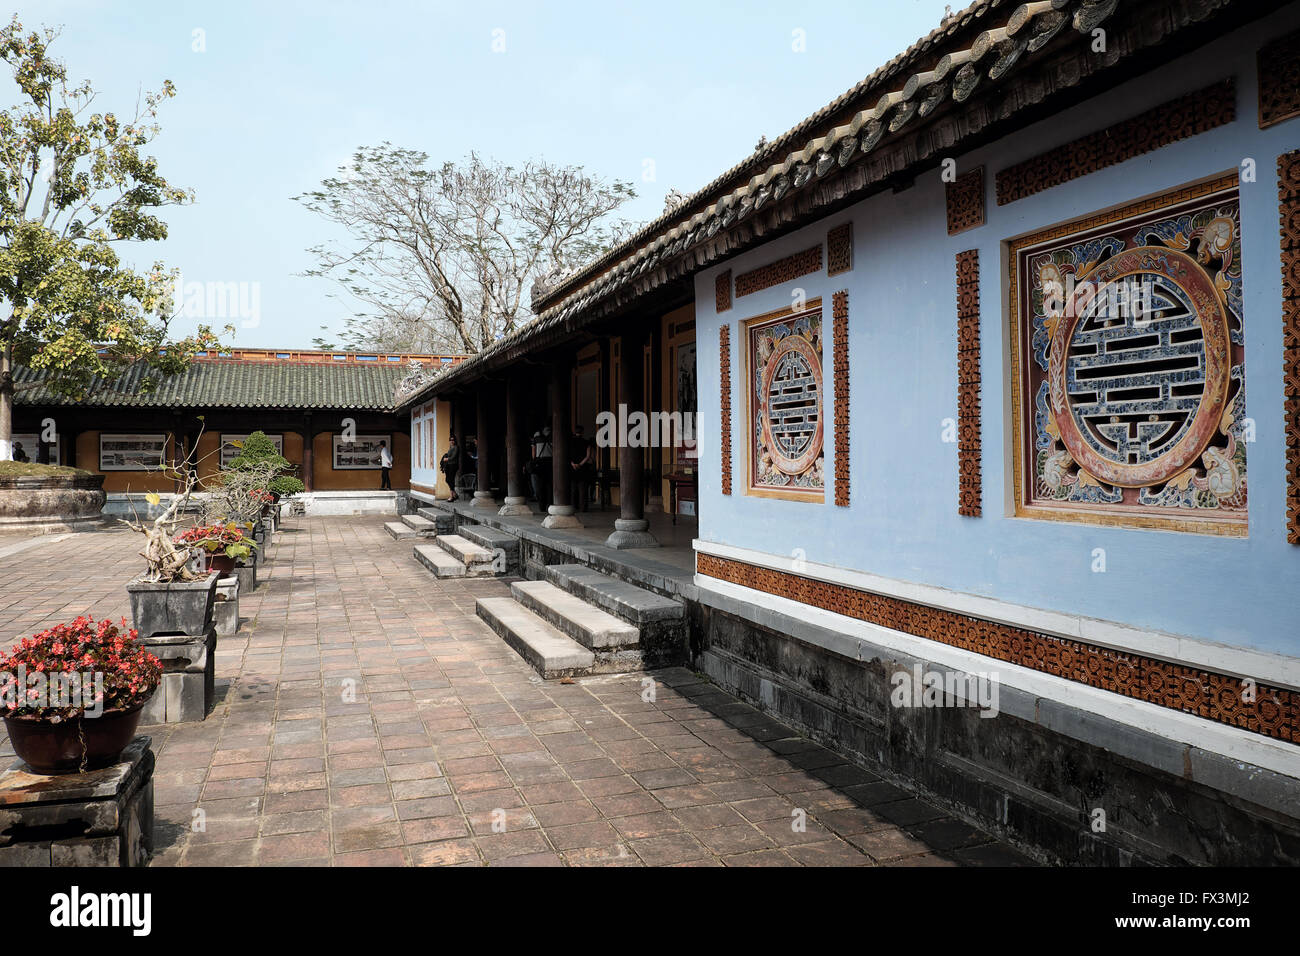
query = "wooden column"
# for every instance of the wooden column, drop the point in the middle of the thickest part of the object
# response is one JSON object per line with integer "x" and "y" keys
{"x": 654, "y": 455}
{"x": 561, "y": 512}
{"x": 516, "y": 502}
{"x": 631, "y": 529}
{"x": 482, "y": 496}
{"x": 307, "y": 441}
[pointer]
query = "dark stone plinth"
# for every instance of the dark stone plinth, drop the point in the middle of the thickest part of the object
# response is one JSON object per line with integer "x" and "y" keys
{"x": 188, "y": 680}
{"x": 247, "y": 579}
{"x": 225, "y": 612}
{"x": 101, "y": 818}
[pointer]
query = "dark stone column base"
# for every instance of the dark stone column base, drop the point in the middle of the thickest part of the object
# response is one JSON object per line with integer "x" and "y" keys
{"x": 631, "y": 533}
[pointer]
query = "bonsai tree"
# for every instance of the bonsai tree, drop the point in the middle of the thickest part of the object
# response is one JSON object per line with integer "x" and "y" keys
{"x": 270, "y": 470}
{"x": 239, "y": 494}
{"x": 73, "y": 186}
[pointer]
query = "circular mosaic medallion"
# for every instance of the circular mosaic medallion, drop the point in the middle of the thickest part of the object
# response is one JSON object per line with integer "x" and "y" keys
{"x": 791, "y": 405}
{"x": 1139, "y": 367}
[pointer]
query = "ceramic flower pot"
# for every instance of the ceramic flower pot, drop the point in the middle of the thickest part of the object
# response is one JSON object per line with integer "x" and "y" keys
{"x": 81, "y": 743}
{"x": 223, "y": 564}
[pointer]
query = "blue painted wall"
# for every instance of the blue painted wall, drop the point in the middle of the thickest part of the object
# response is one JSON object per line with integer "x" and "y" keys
{"x": 903, "y": 521}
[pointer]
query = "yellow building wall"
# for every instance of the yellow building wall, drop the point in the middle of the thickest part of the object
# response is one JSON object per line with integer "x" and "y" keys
{"x": 121, "y": 481}
{"x": 325, "y": 478}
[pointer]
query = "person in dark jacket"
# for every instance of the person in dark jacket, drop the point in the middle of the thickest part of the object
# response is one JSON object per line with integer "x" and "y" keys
{"x": 450, "y": 465}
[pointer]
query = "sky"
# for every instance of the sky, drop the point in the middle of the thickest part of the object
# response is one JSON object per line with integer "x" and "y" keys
{"x": 273, "y": 96}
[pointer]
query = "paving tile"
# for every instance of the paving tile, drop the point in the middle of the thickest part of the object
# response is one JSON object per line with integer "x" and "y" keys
{"x": 446, "y": 732}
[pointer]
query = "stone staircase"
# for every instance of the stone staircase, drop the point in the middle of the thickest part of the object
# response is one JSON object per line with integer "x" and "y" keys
{"x": 410, "y": 526}
{"x": 579, "y": 621}
{"x": 455, "y": 556}
{"x": 443, "y": 518}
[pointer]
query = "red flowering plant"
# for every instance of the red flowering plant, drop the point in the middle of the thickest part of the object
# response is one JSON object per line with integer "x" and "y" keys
{"x": 230, "y": 538}
{"x": 262, "y": 497}
{"x": 79, "y": 669}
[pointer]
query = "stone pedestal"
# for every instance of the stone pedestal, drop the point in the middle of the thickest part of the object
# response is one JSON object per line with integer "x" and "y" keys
{"x": 561, "y": 516}
{"x": 515, "y": 505}
{"x": 631, "y": 533}
{"x": 247, "y": 579}
{"x": 225, "y": 610}
{"x": 101, "y": 818}
{"x": 483, "y": 499}
{"x": 188, "y": 680}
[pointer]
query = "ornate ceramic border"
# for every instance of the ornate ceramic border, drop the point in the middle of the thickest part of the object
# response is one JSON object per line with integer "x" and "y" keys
{"x": 1288, "y": 197}
{"x": 839, "y": 249}
{"x": 1278, "y": 69}
{"x": 722, "y": 292}
{"x": 840, "y": 358}
{"x": 724, "y": 402}
{"x": 1273, "y": 712}
{"x": 783, "y": 270}
{"x": 1170, "y": 122}
{"x": 965, "y": 200}
{"x": 968, "y": 384}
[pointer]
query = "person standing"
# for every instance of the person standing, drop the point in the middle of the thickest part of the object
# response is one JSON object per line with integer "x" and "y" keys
{"x": 385, "y": 467}
{"x": 450, "y": 465}
{"x": 582, "y": 460}
{"x": 540, "y": 467}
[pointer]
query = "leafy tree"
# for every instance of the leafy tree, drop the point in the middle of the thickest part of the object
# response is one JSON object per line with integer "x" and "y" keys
{"x": 443, "y": 256}
{"x": 73, "y": 184}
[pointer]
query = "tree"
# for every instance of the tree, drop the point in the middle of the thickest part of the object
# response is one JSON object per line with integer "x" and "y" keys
{"x": 72, "y": 185}
{"x": 444, "y": 256}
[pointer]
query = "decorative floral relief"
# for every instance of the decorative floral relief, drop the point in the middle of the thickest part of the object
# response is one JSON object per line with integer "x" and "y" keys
{"x": 785, "y": 363}
{"x": 1135, "y": 362}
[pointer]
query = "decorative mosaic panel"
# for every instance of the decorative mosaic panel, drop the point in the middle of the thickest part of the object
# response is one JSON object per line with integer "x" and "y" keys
{"x": 965, "y": 197}
{"x": 724, "y": 403}
{"x": 968, "y": 384}
{"x": 1274, "y": 712}
{"x": 840, "y": 360}
{"x": 839, "y": 249}
{"x": 783, "y": 270}
{"x": 783, "y": 374}
{"x": 722, "y": 292}
{"x": 1288, "y": 195}
{"x": 1279, "y": 80}
{"x": 1168, "y": 123}
{"x": 1131, "y": 388}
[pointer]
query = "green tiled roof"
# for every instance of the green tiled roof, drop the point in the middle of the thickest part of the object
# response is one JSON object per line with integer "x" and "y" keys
{"x": 235, "y": 384}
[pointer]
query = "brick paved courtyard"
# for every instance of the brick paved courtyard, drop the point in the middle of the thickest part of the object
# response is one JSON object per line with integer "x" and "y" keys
{"x": 365, "y": 716}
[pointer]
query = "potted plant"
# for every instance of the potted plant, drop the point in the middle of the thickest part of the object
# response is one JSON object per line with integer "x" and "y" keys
{"x": 71, "y": 695}
{"x": 257, "y": 455}
{"x": 222, "y": 545}
{"x": 170, "y": 597}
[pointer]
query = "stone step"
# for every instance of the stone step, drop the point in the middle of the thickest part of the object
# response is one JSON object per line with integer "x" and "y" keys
{"x": 476, "y": 558}
{"x": 494, "y": 540}
{"x": 419, "y": 523}
{"x": 660, "y": 620}
{"x": 585, "y": 623}
{"x": 443, "y": 519}
{"x": 438, "y": 561}
{"x": 399, "y": 530}
{"x": 551, "y": 653}
{"x": 623, "y": 599}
